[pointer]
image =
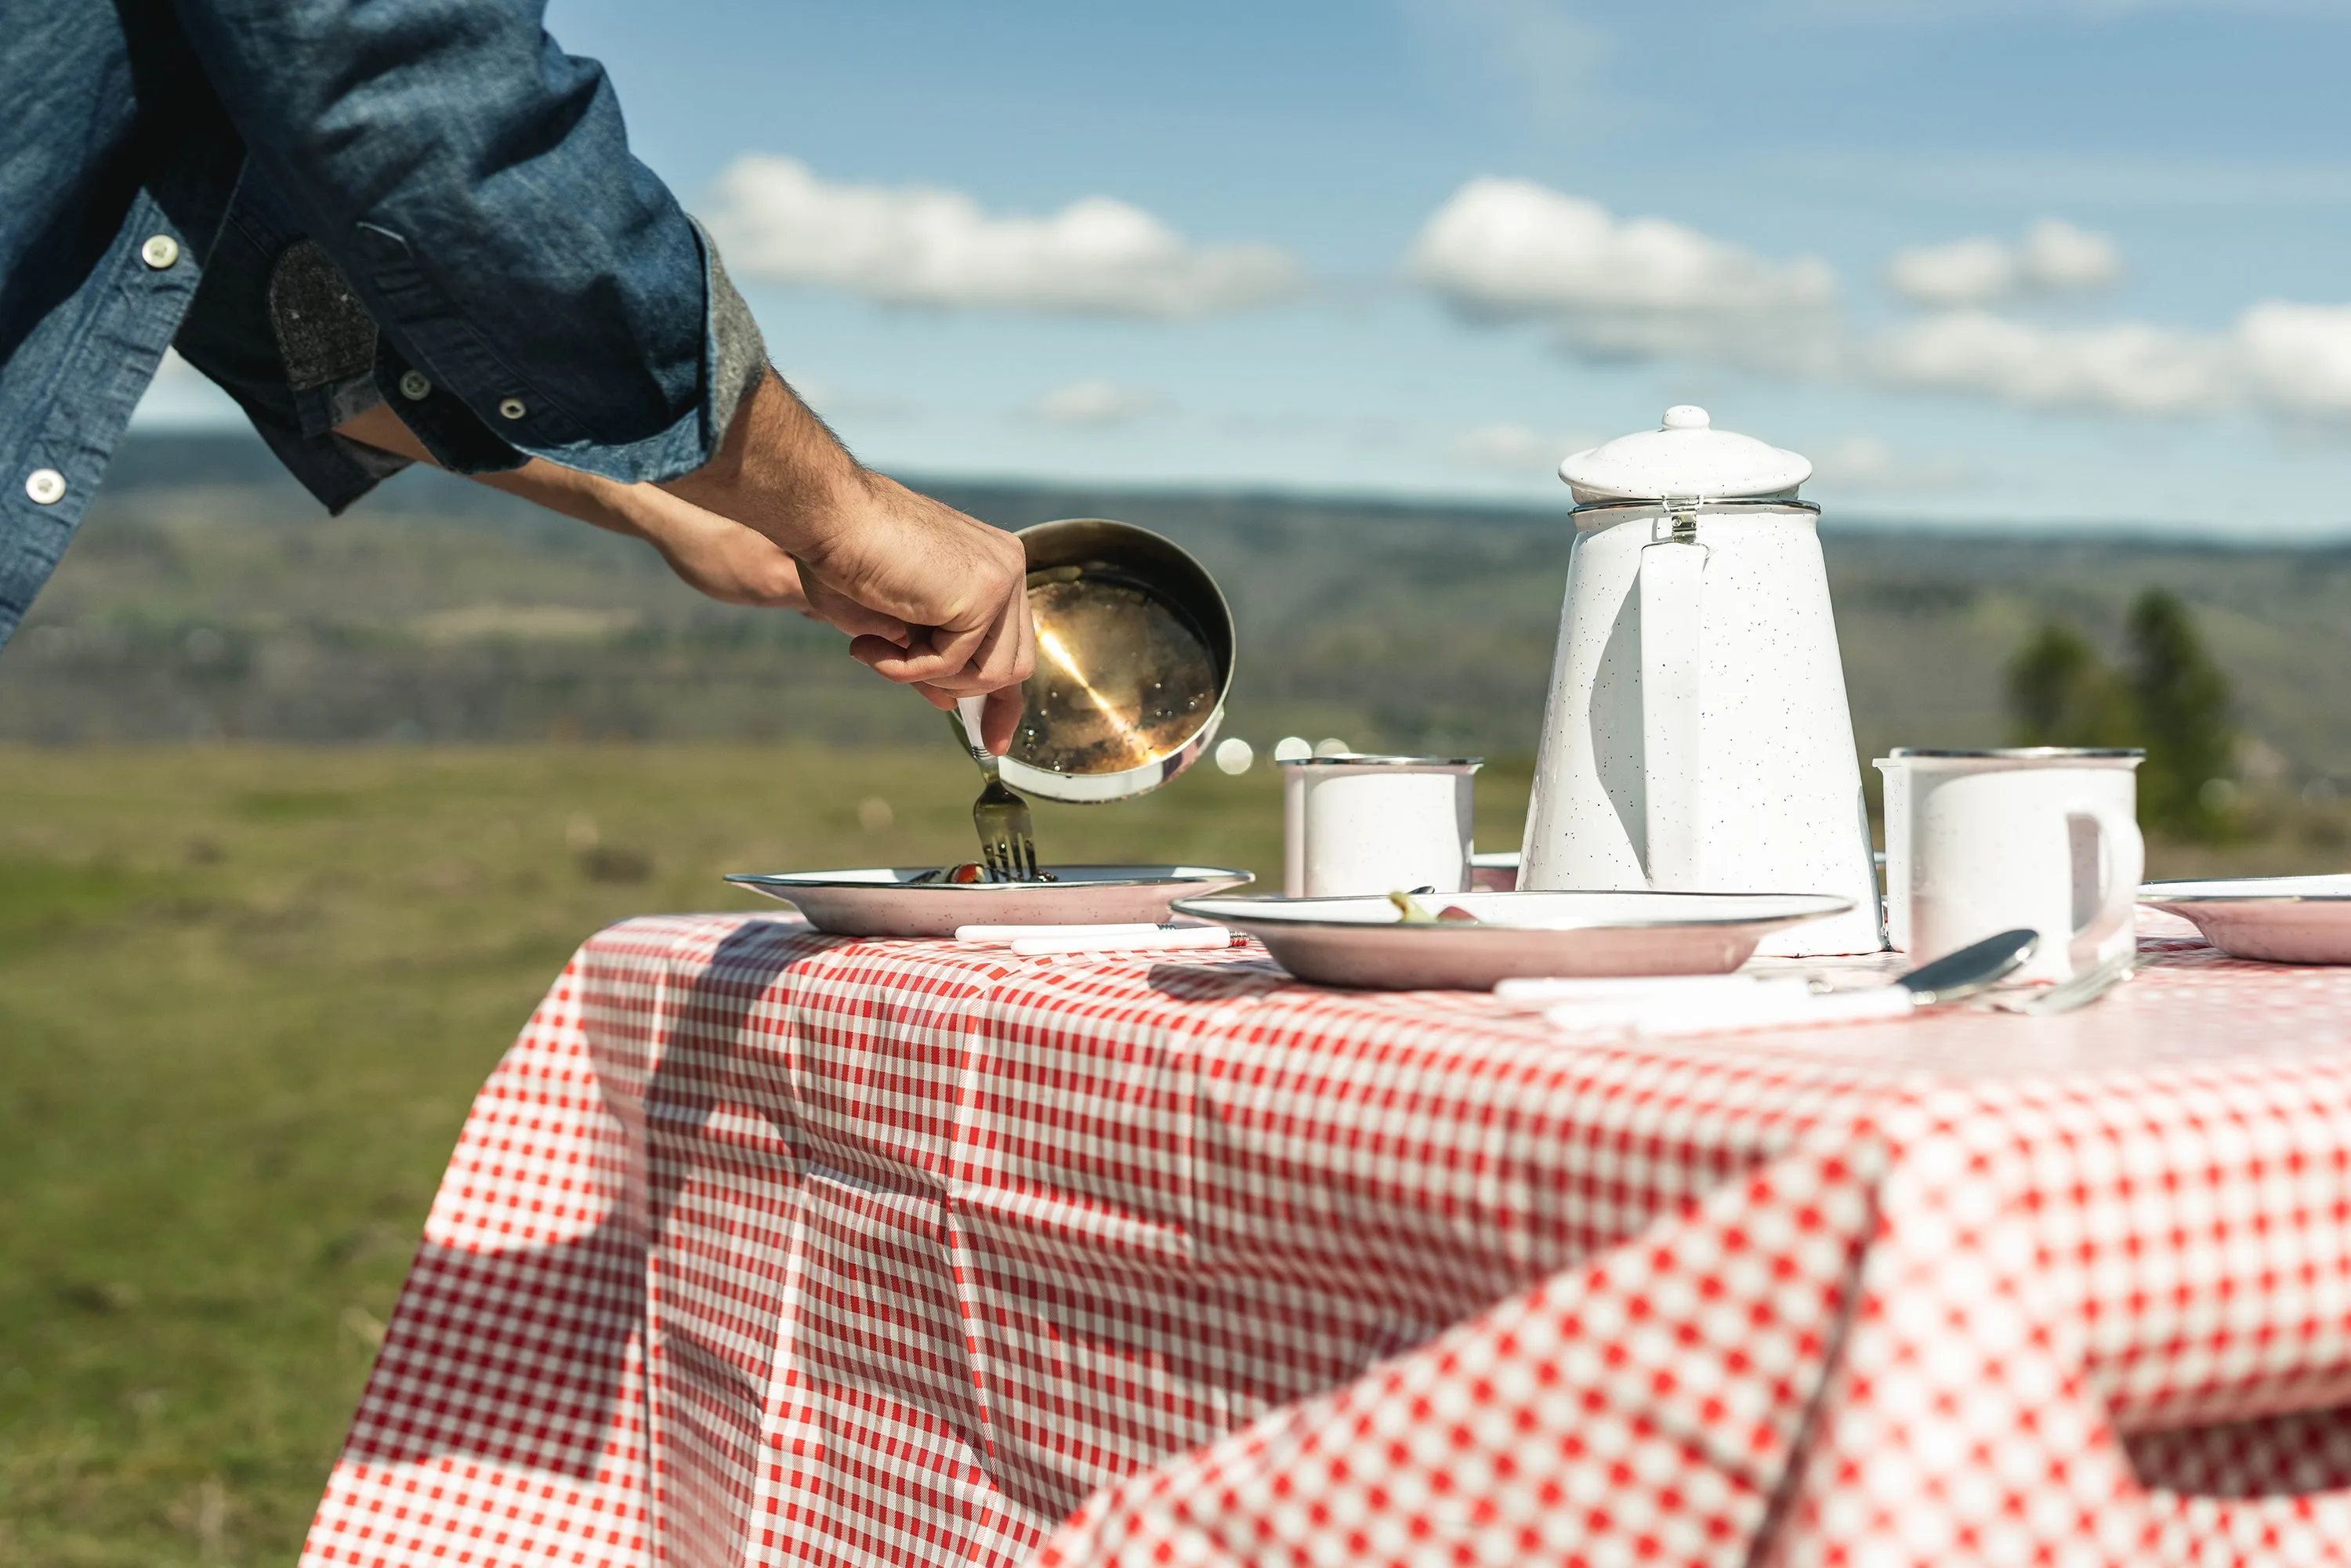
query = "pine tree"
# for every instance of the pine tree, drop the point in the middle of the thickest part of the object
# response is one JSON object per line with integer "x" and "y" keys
{"x": 2171, "y": 699}
{"x": 2060, "y": 693}
{"x": 2180, "y": 700}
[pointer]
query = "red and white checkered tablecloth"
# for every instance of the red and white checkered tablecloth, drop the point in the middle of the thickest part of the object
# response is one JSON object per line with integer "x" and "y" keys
{"x": 762, "y": 1246}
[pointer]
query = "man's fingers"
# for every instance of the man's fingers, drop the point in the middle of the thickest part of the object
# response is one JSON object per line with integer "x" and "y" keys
{"x": 1009, "y": 700}
{"x": 916, "y": 665}
{"x": 1008, "y": 652}
{"x": 1000, "y": 720}
{"x": 836, "y": 609}
{"x": 1024, "y": 639}
{"x": 943, "y": 701}
{"x": 927, "y": 658}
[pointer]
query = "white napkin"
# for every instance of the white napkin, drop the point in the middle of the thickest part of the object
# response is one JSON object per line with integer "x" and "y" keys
{"x": 1152, "y": 939}
{"x": 1631, "y": 988}
{"x": 999, "y": 936}
{"x": 1673, "y": 1007}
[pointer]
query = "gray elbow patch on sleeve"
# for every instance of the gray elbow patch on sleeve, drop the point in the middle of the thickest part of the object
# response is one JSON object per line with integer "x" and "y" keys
{"x": 739, "y": 355}
{"x": 325, "y": 336}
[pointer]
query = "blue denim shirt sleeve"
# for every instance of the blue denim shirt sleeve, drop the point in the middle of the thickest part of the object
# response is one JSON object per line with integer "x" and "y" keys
{"x": 538, "y": 292}
{"x": 277, "y": 326}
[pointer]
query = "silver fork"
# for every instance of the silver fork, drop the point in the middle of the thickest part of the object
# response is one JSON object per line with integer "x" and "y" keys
{"x": 1007, "y": 845}
{"x": 2080, "y": 991}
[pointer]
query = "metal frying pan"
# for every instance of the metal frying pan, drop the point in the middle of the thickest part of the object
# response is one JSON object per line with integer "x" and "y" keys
{"x": 1134, "y": 655}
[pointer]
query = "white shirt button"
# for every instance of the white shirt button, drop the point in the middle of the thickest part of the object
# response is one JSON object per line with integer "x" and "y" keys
{"x": 160, "y": 251}
{"x": 511, "y": 408}
{"x": 414, "y": 387}
{"x": 47, "y": 486}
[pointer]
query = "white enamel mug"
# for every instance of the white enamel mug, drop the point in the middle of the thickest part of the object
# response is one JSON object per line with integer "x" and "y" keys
{"x": 1376, "y": 824}
{"x": 2041, "y": 837}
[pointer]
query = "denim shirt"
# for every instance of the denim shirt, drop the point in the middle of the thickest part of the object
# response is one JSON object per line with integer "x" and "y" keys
{"x": 326, "y": 202}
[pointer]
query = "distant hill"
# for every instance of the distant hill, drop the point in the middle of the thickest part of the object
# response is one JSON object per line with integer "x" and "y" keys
{"x": 209, "y": 597}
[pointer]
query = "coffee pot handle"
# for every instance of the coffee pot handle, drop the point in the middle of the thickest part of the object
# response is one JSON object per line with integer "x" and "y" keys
{"x": 1672, "y": 641}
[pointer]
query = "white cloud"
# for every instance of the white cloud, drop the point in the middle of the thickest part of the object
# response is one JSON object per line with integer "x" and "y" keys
{"x": 1868, "y": 462}
{"x": 2053, "y": 257}
{"x": 1518, "y": 451}
{"x": 1963, "y": 272}
{"x": 1646, "y": 287}
{"x": 2127, "y": 365}
{"x": 2297, "y": 359}
{"x": 777, "y": 220}
{"x": 2287, "y": 359}
{"x": 1505, "y": 250}
{"x": 1095, "y": 405}
{"x": 2056, "y": 255}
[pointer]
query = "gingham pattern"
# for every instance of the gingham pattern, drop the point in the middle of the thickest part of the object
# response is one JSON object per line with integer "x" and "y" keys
{"x": 763, "y": 1246}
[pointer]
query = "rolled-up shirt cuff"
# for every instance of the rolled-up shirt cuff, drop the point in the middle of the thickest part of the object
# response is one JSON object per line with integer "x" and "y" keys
{"x": 335, "y": 469}
{"x": 466, "y": 440}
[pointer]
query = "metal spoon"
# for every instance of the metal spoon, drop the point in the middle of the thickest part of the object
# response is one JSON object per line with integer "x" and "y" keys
{"x": 1978, "y": 966}
{"x": 1953, "y": 978}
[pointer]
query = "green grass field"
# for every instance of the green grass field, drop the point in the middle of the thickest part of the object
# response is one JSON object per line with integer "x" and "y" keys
{"x": 245, "y": 995}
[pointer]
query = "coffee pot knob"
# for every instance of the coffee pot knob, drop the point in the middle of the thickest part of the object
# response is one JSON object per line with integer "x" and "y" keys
{"x": 1686, "y": 416}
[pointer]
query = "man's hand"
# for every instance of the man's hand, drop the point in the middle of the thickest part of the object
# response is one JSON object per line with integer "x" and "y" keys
{"x": 929, "y": 597}
{"x": 783, "y": 517}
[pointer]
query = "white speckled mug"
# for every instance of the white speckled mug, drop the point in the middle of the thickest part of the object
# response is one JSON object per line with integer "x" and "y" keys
{"x": 2042, "y": 837}
{"x": 1376, "y": 824}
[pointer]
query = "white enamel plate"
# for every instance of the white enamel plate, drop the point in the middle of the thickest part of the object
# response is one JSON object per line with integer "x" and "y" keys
{"x": 1364, "y": 941}
{"x": 886, "y": 901}
{"x": 2275, "y": 919}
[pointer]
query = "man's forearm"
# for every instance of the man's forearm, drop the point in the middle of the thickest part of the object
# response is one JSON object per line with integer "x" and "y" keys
{"x": 575, "y": 495}
{"x": 711, "y": 554}
{"x": 779, "y": 470}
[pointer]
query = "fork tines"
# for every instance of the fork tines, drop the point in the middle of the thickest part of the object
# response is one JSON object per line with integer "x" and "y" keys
{"x": 1007, "y": 846}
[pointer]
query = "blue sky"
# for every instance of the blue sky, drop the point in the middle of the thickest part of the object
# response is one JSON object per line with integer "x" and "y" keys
{"x": 2072, "y": 261}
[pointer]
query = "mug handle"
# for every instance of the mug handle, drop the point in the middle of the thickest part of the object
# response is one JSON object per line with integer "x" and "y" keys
{"x": 2128, "y": 851}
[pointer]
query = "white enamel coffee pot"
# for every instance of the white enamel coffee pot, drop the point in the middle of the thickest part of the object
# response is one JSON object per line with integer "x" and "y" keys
{"x": 1696, "y": 737}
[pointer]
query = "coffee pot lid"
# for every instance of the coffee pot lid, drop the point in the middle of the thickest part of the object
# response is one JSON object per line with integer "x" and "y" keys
{"x": 1685, "y": 455}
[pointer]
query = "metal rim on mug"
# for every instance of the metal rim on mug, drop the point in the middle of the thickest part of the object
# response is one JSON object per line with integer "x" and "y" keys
{"x": 2025, "y": 753}
{"x": 1353, "y": 760}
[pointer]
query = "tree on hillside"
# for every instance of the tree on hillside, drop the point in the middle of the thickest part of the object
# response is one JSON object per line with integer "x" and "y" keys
{"x": 2171, "y": 698}
{"x": 2061, "y": 693}
{"x": 2181, "y": 702}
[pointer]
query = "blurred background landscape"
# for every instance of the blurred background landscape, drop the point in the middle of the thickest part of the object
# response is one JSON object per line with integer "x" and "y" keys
{"x": 299, "y": 815}
{"x": 208, "y": 599}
